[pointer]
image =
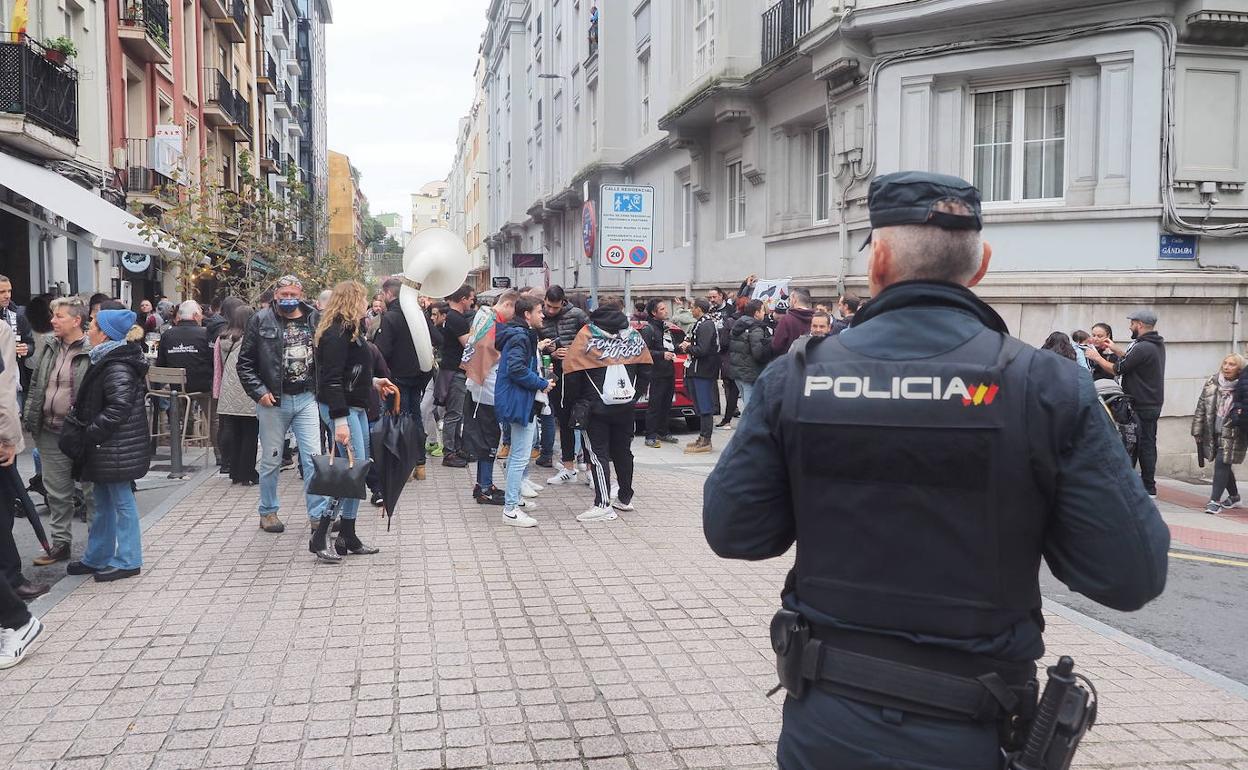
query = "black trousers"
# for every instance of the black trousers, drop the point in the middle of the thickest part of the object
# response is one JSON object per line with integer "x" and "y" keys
{"x": 1223, "y": 478}
{"x": 731, "y": 394}
{"x": 608, "y": 441}
{"x": 10, "y": 559}
{"x": 659, "y": 407}
{"x": 563, "y": 416}
{"x": 1148, "y": 447}
{"x": 239, "y": 437}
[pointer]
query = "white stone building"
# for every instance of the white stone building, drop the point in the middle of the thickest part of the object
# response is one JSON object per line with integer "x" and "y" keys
{"x": 1093, "y": 129}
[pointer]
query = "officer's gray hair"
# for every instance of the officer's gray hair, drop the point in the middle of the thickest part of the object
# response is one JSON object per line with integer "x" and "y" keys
{"x": 928, "y": 253}
{"x": 188, "y": 310}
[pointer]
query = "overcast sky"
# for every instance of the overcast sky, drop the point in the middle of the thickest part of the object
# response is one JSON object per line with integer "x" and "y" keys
{"x": 400, "y": 78}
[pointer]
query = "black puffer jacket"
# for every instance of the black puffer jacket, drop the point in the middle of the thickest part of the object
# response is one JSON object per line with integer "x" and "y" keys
{"x": 564, "y": 326}
{"x": 749, "y": 347}
{"x": 111, "y": 405}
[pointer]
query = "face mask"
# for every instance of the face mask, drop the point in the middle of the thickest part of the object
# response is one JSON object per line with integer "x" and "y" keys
{"x": 288, "y": 305}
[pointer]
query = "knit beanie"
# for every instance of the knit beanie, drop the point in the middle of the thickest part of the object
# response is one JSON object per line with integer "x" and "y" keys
{"x": 115, "y": 323}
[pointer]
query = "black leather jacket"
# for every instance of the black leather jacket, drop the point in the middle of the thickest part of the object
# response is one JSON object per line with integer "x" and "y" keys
{"x": 261, "y": 358}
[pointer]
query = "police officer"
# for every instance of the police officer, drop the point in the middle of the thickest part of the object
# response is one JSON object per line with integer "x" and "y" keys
{"x": 918, "y": 550}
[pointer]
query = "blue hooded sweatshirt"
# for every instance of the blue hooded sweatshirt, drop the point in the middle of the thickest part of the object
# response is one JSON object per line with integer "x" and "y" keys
{"x": 518, "y": 379}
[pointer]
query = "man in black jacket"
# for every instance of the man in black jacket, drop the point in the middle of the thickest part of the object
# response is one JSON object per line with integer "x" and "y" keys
{"x": 662, "y": 338}
{"x": 186, "y": 346}
{"x": 15, "y": 317}
{"x": 277, "y": 368}
{"x": 702, "y": 345}
{"x": 918, "y": 553}
{"x": 394, "y": 340}
{"x": 563, "y": 322}
{"x": 1142, "y": 367}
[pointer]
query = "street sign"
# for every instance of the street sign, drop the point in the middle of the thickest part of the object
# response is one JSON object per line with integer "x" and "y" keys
{"x": 626, "y": 227}
{"x": 500, "y": 282}
{"x": 1180, "y": 247}
{"x": 589, "y": 229}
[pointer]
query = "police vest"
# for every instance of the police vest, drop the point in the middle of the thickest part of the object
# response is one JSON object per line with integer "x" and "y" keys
{"x": 915, "y": 499}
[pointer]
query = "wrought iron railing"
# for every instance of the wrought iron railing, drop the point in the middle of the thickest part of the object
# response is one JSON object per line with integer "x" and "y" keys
{"x": 242, "y": 112}
{"x": 220, "y": 92}
{"x": 141, "y": 174}
{"x": 153, "y": 15}
{"x": 784, "y": 24}
{"x": 270, "y": 68}
{"x": 239, "y": 12}
{"x": 273, "y": 149}
{"x": 42, "y": 90}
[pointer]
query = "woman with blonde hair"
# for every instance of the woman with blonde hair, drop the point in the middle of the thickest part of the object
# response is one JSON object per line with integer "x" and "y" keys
{"x": 1218, "y": 435}
{"x": 345, "y": 377}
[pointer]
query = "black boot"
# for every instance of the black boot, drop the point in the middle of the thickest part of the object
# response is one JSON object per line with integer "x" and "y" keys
{"x": 317, "y": 544}
{"x": 347, "y": 542}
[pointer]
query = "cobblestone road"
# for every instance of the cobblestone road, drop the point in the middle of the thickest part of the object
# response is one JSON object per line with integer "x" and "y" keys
{"x": 469, "y": 644}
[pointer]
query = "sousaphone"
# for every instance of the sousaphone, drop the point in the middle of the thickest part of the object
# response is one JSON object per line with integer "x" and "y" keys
{"x": 435, "y": 264}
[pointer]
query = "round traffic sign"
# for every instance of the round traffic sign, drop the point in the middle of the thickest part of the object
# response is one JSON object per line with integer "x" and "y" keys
{"x": 615, "y": 255}
{"x": 638, "y": 255}
{"x": 589, "y": 228}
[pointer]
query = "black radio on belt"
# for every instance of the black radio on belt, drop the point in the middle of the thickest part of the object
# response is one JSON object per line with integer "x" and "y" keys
{"x": 789, "y": 634}
{"x": 1067, "y": 710}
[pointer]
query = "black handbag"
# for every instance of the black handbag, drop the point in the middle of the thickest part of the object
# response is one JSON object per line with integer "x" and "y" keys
{"x": 344, "y": 479}
{"x": 73, "y": 439}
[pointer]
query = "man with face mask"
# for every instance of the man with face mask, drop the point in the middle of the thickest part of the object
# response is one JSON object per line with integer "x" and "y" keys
{"x": 277, "y": 369}
{"x": 1142, "y": 367}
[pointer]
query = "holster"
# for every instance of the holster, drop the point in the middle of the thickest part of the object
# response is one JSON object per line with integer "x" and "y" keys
{"x": 789, "y": 634}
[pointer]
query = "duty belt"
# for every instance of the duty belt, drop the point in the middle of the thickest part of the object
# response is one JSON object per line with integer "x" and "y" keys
{"x": 891, "y": 672}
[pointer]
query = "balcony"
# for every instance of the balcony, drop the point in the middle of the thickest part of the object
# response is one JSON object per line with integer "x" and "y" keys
{"x": 242, "y": 113}
{"x": 293, "y": 67}
{"x": 295, "y": 128}
{"x": 784, "y": 24}
{"x": 234, "y": 26}
{"x": 220, "y": 109}
{"x": 266, "y": 78}
{"x": 38, "y": 100}
{"x": 147, "y": 174}
{"x": 144, "y": 30}
{"x": 215, "y": 9}
{"x": 281, "y": 104}
{"x": 269, "y": 161}
{"x": 264, "y": 8}
{"x": 281, "y": 32}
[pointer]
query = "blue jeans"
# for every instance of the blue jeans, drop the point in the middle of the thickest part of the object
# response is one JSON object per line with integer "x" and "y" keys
{"x": 746, "y": 389}
{"x": 297, "y": 413}
{"x": 114, "y": 537}
{"x": 357, "y": 420}
{"x": 548, "y": 435}
{"x": 518, "y": 462}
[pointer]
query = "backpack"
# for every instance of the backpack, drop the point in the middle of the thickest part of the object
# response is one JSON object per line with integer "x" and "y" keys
{"x": 617, "y": 386}
{"x": 1121, "y": 409}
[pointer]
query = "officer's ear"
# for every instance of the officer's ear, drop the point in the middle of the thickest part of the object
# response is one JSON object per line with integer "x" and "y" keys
{"x": 879, "y": 265}
{"x": 983, "y": 266}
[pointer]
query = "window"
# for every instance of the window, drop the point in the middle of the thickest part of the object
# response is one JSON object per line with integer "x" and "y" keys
{"x": 643, "y": 87}
{"x": 1020, "y": 144}
{"x": 641, "y": 24}
{"x": 736, "y": 199}
{"x": 823, "y": 173}
{"x": 592, "y": 106}
{"x": 686, "y": 213}
{"x": 704, "y": 35}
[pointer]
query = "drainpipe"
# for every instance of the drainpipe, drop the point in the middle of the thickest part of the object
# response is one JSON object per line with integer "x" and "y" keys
{"x": 1236, "y": 320}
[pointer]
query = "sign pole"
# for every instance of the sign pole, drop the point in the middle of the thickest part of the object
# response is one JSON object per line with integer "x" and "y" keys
{"x": 593, "y": 281}
{"x": 628, "y": 292}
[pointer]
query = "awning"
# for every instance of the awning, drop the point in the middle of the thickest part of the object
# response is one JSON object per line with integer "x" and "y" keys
{"x": 106, "y": 223}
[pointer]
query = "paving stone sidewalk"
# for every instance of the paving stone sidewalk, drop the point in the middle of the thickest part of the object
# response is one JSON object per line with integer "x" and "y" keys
{"x": 466, "y": 643}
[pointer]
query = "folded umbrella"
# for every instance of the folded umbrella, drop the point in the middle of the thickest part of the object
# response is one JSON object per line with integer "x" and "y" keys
{"x": 1200, "y": 453}
{"x": 398, "y": 443}
{"x": 12, "y": 487}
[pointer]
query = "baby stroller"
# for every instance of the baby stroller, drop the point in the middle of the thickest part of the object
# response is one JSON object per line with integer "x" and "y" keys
{"x": 1121, "y": 410}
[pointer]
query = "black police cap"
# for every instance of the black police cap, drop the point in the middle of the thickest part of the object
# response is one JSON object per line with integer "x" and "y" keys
{"x": 913, "y": 198}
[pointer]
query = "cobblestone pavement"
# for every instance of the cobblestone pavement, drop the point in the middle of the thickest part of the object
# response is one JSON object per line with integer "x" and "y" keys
{"x": 466, "y": 643}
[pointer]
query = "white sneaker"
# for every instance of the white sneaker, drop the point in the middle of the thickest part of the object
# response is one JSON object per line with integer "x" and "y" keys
{"x": 597, "y": 514}
{"x": 615, "y": 491}
{"x": 527, "y": 505}
{"x": 617, "y": 505}
{"x": 517, "y": 518}
{"x": 582, "y": 467}
{"x": 15, "y": 643}
{"x": 527, "y": 490}
{"x": 564, "y": 476}
{"x": 534, "y": 485}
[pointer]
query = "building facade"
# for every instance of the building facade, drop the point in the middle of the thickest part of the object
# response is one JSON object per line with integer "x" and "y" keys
{"x": 346, "y": 204}
{"x": 1097, "y": 133}
{"x": 313, "y": 110}
{"x": 467, "y": 204}
{"x": 429, "y": 207}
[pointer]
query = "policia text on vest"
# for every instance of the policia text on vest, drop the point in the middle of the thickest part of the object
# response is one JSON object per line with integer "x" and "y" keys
{"x": 924, "y": 462}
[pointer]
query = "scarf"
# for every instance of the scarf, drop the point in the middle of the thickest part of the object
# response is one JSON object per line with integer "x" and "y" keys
{"x": 1226, "y": 396}
{"x": 595, "y": 348}
{"x": 480, "y": 355}
{"x": 104, "y": 348}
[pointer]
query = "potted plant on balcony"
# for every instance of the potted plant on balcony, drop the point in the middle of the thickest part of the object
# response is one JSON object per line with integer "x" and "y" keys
{"x": 59, "y": 49}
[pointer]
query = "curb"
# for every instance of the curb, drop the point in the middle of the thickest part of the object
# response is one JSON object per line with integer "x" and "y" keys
{"x": 1196, "y": 671}
{"x": 66, "y": 585}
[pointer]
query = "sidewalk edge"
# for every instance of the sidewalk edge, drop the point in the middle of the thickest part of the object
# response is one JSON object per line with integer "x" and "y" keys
{"x": 66, "y": 585}
{"x": 1194, "y": 670}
